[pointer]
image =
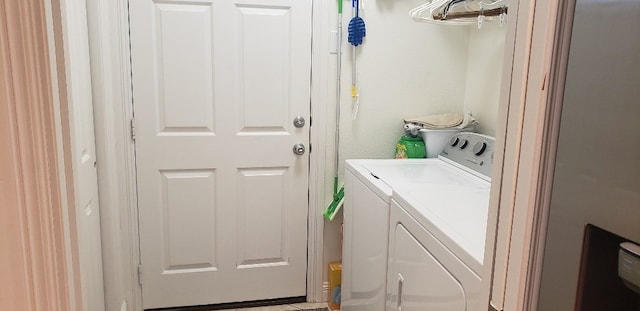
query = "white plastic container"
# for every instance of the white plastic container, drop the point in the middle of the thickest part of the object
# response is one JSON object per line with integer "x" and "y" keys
{"x": 436, "y": 140}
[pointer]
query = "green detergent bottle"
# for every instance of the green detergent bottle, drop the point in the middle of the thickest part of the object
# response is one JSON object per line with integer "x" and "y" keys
{"x": 410, "y": 148}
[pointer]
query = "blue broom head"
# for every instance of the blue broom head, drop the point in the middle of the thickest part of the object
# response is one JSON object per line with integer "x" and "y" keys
{"x": 357, "y": 31}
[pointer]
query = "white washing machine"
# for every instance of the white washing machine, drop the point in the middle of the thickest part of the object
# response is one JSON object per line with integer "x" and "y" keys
{"x": 432, "y": 256}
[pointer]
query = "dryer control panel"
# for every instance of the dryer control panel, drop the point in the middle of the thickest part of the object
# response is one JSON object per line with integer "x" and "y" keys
{"x": 473, "y": 151}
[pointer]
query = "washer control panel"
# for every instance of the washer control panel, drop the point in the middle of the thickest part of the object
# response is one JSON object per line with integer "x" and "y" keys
{"x": 472, "y": 150}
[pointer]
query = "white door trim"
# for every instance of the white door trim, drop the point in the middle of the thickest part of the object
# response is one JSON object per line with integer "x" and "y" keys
{"x": 111, "y": 81}
{"x": 66, "y": 28}
{"x": 529, "y": 151}
{"x": 112, "y": 94}
{"x": 319, "y": 106}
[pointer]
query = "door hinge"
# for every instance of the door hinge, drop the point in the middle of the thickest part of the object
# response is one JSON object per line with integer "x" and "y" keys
{"x": 133, "y": 129}
{"x": 140, "y": 274}
{"x": 309, "y": 148}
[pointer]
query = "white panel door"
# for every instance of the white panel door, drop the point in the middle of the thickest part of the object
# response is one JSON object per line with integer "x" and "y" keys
{"x": 222, "y": 198}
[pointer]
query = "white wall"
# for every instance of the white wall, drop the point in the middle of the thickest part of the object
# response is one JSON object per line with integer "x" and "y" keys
{"x": 484, "y": 74}
{"x": 406, "y": 69}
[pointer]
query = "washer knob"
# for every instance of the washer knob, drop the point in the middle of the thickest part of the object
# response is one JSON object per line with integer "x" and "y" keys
{"x": 479, "y": 148}
{"x": 454, "y": 141}
{"x": 464, "y": 143}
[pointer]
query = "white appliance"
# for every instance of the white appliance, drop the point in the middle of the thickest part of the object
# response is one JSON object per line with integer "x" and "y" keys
{"x": 437, "y": 209}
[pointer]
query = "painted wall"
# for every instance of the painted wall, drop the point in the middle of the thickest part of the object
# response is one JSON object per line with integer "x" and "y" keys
{"x": 405, "y": 69}
{"x": 34, "y": 260}
{"x": 597, "y": 175}
{"x": 484, "y": 75}
{"x": 408, "y": 69}
{"x": 13, "y": 268}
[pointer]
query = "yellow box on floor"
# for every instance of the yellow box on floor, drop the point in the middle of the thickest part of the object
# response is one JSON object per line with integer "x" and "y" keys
{"x": 335, "y": 282}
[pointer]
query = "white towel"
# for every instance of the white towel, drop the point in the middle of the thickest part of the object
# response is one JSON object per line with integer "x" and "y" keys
{"x": 445, "y": 120}
{"x": 458, "y": 120}
{"x": 469, "y": 123}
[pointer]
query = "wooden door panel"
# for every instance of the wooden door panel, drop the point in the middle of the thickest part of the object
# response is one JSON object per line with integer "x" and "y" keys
{"x": 222, "y": 198}
{"x": 184, "y": 72}
{"x": 187, "y": 228}
{"x": 263, "y": 199}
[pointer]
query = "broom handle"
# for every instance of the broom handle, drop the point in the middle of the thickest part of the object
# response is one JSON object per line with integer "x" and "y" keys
{"x": 338, "y": 90}
{"x": 354, "y": 5}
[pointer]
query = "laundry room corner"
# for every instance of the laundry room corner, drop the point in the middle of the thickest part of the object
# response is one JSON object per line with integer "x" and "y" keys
{"x": 405, "y": 69}
{"x": 484, "y": 77}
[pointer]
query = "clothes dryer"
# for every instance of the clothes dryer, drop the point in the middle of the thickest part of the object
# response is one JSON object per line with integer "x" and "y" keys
{"x": 369, "y": 277}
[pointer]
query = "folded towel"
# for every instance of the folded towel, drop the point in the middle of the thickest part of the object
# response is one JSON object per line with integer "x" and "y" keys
{"x": 465, "y": 122}
{"x": 469, "y": 123}
{"x": 445, "y": 120}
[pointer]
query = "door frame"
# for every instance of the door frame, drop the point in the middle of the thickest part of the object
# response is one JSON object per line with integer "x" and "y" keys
{"x": 66, "y": 37}
{"x": 551, "y": 40}
{"x": 113, "y": 110}
{"x": 530, "y": 151}
{"x": 528, "y": 119}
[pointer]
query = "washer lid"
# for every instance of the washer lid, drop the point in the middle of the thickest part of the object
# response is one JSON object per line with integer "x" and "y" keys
{"x": 455, "y": 214}
{"x": 397, "y": 173}
{"x": 383, "y": 175}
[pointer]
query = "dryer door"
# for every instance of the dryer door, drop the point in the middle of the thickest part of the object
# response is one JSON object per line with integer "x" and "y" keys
{"x": 417, "y": 281}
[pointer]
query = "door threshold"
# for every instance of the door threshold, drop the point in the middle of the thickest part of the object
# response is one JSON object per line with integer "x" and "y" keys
{"x": 238, "y": 305}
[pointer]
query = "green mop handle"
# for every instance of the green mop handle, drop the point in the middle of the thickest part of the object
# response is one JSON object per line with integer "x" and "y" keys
{"x": 340, "y": 6}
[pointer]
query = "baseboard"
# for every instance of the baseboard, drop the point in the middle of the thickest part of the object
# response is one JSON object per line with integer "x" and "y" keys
{"x": 325, "y": 292}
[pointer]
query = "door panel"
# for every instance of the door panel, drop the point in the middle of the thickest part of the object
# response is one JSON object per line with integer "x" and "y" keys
{"x": 187, "y": 244}
{"x": 222, "y": 199}
{"x": 263, "y": 33}
{"x": 262, "y": 234}
{"x": 184, "y": 70}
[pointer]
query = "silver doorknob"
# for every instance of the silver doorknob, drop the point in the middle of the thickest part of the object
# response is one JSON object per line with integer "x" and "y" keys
{"x": 298, "y": 149}
{"x": 299, "y": 121}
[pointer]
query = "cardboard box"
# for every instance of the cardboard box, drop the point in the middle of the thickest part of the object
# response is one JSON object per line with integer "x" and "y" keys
{"x": 335, "y": 282}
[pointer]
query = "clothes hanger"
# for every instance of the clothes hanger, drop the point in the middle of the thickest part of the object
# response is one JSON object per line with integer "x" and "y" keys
{"x": 466, "y": 14}
{"x": 480, "y": 9}
{"x": 417, "y": 12}
{"x": 424, "y": 13}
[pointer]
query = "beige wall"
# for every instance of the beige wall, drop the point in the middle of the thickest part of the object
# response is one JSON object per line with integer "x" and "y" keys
{"x": 597, "y": 176}
{"x": 32, "y": 253}
{"x": 13, "y": 271}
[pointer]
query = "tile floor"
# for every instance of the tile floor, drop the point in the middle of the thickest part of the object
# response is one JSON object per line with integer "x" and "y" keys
{"x": 290, "y": 307}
